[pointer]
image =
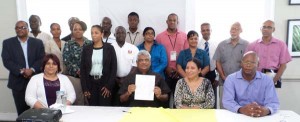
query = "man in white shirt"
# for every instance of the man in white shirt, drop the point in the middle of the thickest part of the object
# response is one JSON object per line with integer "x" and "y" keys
{"x": 108, "y": 37}
{"x": 134, "y": 35}
{"x": 208, "y": 46}
{"x": 35, "y": 23}
{"x": 126, "y": 59}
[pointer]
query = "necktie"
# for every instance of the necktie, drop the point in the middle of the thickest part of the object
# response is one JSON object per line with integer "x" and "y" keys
{"x": 206, "y": 48}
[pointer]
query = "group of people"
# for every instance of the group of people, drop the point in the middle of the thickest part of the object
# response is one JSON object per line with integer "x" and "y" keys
{"x": 102, "y": 71}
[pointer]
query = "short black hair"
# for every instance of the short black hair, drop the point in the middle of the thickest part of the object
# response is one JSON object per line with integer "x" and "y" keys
{"x": 196, "y": 61}
{"x": 133, "y": 14}
{"x": 148, "y": 28}
{"x": 55, "y": 59}
{"x": 192, "y": 33}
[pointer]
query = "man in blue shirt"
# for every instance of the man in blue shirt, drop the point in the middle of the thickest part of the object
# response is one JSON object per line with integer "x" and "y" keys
{"x": 248, "y": 91}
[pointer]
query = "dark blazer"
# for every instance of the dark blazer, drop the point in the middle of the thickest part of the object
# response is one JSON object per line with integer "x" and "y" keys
{"x": 109, "y": 67}
{"x": 67, "y": 38}
{"x": 13, "y": 59}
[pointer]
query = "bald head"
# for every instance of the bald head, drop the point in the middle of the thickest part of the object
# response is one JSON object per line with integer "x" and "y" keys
{"x": 270, "y": 21}
{"x": 106, "y": 24}
{"x": 120, "y": 33}
{"x": 235, "y": 30}
{"x": 251, "y": 54}
{"x": 35, "y": 23}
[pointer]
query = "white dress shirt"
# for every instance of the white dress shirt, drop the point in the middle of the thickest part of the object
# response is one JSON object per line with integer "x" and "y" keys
{"x": 126, "y": 58}
{"x": 212, "y": 50}
{"x": 111, "y": 39}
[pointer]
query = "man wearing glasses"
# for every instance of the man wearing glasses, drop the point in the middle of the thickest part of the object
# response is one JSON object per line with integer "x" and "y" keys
{"x": 22, "y": 56}
{"x": 272, "y": 52}
{"x": 249, "y": 91}
{"x": 128, "y": 88}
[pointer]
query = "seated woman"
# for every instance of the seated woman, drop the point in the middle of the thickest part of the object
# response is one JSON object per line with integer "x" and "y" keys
{"x": 41, "y": 89}
{"x": 193, "y": 91}
{"x": 192, "y": 52}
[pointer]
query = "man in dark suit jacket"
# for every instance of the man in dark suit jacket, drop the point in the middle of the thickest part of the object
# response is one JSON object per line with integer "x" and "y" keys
{"x": 22, "y": 56}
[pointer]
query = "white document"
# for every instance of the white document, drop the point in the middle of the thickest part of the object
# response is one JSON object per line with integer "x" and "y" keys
{"x": 144, "y": 89}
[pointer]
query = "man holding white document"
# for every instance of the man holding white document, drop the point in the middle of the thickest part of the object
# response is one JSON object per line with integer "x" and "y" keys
{"x": 144, "y": 88}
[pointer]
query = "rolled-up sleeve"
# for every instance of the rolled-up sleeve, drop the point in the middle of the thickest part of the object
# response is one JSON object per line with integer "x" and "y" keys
{"x": 271, "y": 99}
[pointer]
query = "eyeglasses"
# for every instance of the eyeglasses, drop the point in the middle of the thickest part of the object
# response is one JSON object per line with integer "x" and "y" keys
{"x": 249, "y": 63}
{"x": 21, "y": 28}
{"x": 267, "y": 27}
{"x": 143, "y": 60}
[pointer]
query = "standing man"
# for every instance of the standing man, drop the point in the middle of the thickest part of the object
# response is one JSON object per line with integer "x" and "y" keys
{"x": 35, "y": 23}
{"x": 229, "y": 54}
{"x": 174, "y": 41}
{"x": 134, "y": 35}
{"x": 108, "y": 37}
{"x": 273, "y": 53}
{"x": 71, "y": 22}
{"x": 126, "y": 59}
{"x": 22, "y": 57}
{"x": 209, "y": 47}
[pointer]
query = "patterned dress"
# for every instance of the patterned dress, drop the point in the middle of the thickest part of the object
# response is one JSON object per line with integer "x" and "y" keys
{"x": 72, "y": 56}
{"x": 203, "y": 96}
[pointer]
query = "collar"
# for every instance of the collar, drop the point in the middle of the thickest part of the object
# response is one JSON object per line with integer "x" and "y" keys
{"x": 21, "y": 41}
{"x": 239, "y": 42}
{"x": 139, "y": 72}
{"x": 85, "y": 41}
{"x": 167, "y": 33}
{"x": 273, "y": 40}
{"x": 136, "y": 32}
{"x": 239, "y": 75}
{"x": 202, "y": 41}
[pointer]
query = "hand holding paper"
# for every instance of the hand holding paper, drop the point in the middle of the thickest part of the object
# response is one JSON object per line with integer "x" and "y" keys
{"x": 144, "y": 87}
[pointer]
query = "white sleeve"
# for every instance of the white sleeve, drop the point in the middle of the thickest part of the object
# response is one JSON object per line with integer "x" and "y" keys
{"x": 31, "y": 90}
{"x": 71, "y": 95}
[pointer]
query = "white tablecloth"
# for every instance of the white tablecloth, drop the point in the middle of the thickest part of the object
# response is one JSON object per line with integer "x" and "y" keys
{"x": 114, "y": 114}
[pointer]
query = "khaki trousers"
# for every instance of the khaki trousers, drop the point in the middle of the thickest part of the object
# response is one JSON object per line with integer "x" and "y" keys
{"x": 78, "y": 90}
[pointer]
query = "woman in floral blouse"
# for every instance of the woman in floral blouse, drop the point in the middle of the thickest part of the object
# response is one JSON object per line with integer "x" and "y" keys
{"x": 193, "y": 91}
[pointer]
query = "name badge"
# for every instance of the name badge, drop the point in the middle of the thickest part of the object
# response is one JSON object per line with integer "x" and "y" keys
{"x": 173, "y": 56}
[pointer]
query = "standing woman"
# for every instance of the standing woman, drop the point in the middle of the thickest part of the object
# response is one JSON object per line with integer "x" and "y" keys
{"x": 55, "y": 45}
{"x": 98, "y": 69}
{"x": 192, "y": 52}
{"x": 193, "y": 91}
{"x": 157, "y": 51}
{"x": 72, "y": 56}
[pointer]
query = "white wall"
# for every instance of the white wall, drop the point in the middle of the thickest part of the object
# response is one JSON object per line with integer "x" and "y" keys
{"x": 283, "y": 12}
{"x": 289, "y": 95}
{"x": 8, "y": 13}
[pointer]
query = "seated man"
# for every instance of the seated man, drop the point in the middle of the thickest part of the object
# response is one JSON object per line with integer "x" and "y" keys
{"x": 128, "y": 87}
{"x": 250, "y": 92}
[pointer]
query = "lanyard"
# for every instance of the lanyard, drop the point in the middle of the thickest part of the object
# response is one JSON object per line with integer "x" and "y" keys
{"x": 173, "y": 46}
{"x": 134, "y": 37}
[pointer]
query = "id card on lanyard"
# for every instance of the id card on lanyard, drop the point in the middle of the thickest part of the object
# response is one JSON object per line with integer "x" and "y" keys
{"x": 173, "y": 53}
